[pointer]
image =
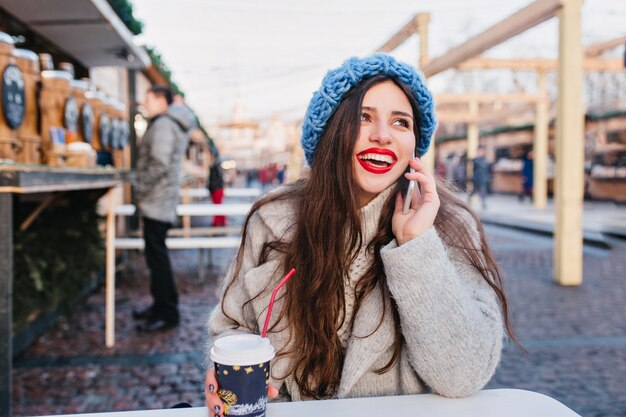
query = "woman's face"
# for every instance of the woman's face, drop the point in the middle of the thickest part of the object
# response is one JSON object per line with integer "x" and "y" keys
{"x": 386, "y": 140}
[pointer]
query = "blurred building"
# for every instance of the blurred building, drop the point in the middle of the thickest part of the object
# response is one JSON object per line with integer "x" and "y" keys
{"x": 253, "y": 144}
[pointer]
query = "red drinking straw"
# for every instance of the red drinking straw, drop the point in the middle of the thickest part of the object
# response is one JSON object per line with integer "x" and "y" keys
{"x": 269, "y": 308}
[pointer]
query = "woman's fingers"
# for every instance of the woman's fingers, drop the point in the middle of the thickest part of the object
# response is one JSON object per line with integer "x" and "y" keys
{"x": 213, "y": 402}
{"x": 428, "y": 186}
{"x": 272, "y": 392}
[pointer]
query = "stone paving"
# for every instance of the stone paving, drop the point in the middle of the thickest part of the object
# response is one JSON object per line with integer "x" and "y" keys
{"x": 575, "y": 337}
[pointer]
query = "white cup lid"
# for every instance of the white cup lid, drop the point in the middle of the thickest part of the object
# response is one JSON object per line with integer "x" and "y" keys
{"x": 242, "y": 350}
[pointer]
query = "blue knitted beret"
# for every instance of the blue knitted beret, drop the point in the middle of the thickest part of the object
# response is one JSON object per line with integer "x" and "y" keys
{"x": 339, "y": 81}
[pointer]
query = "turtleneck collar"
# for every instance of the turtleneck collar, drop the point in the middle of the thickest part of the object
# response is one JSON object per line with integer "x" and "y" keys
{"x": 370, "y": 213}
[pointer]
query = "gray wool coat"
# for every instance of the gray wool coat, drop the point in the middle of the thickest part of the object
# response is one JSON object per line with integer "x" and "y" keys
{"x": 160, "y": 155}
{"x": 450, "y": 317}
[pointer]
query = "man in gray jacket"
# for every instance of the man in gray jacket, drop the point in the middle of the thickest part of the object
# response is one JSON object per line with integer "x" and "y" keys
{"x": 159, "y": 176}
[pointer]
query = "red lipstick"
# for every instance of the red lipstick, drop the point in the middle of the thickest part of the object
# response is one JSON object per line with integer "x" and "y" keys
{"x": 369, "y": 167}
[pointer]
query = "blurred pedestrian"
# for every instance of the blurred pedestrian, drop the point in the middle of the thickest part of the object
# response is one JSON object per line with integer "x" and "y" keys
{"x": 215, "y": 184}
{"x": 459, "y": 172}
{"x": 440, "y": 169}
{"x": 527, "y": 177}
{"x": 481, "y": 175}
{"x": 159, "y": 176}
{"x": 280, "y": 175}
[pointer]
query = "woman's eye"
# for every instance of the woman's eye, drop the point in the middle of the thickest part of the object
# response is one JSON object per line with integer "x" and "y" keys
{"x": 365, "y": 117}
{"x": 402, "y": 122}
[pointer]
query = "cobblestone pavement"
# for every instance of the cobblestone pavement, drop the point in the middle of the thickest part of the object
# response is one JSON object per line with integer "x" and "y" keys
{"x": 575, "y": 337}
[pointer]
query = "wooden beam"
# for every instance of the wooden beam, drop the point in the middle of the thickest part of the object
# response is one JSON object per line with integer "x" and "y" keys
{"x": 570, "y": 145}
{"x": 601, "y": 47}
{"x": 42, "y": 206}
{"x": 541, "y": 64}
{"x": 455, "y": 117}
{"x": 109, "y": 318}
{"x": 487, "y": 98}
{"x": 422, "y": 20}
{"x": 526, "y": 18}
{"x": 400, "y": 36}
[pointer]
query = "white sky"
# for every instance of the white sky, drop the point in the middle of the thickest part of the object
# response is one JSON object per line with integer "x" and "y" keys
{"x": 271, "y": 55}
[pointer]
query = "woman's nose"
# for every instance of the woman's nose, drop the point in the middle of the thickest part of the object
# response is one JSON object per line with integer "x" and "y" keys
{"x": 380, "y": 134}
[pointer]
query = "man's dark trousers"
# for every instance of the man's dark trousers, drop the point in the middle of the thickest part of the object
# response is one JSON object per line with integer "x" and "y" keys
{"x": 162, "y": 285}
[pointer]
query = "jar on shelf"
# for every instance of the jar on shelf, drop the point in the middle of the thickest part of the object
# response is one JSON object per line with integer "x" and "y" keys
{"x": 13, "y": 99}
{"x": 28, "y": 134}
{"x": 58, "y": 111}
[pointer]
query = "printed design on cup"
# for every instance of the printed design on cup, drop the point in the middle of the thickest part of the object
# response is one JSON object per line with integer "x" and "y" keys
{"x": 239, "y": 388}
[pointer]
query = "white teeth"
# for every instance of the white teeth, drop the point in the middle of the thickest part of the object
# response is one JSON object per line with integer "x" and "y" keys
{"x": 377, "y": 157}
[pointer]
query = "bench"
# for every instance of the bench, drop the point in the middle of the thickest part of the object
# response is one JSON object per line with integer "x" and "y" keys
{"x": 187, "y": 194}
{"x": 114, "y": 243}
{"x": 228, "y": 192}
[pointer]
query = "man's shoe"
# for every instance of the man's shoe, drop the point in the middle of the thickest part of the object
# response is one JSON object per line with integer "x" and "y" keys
{"x": 156, "y": 325}
{"x": 145, "y": 314}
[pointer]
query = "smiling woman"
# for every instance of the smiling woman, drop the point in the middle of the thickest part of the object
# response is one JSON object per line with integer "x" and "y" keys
{"x": 383, "y": 302}
{"x": 386, "y": 138}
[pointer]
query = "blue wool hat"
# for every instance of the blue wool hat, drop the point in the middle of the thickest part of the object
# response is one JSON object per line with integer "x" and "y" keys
{"x": 339, "y": 81}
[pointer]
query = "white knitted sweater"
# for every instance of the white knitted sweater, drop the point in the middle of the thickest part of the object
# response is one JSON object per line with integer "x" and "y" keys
{"x": 449, "y": 316}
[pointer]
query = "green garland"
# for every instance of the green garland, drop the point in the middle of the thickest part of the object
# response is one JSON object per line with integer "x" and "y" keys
{"x": 55, "y": 258}
{"x": 124, "y": 9}
{"x": 161, "y": 66}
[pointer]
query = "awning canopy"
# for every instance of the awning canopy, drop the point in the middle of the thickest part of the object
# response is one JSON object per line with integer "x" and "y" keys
{"x": 89, "y": 30}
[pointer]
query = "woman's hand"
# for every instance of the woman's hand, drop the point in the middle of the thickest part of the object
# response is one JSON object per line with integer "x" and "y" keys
{"x": 213, "y": 402}
{"x": 424, "y": 205}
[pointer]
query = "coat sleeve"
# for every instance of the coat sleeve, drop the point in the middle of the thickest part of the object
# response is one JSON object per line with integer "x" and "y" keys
{"x": 163, "y": 143}
{"x": 449, "y": 315}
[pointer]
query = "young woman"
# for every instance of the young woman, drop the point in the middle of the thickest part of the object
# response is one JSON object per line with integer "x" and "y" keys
{"x": 382, "y": 302}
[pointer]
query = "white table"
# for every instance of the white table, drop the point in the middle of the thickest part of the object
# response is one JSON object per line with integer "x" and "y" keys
{"x": 487, "y": 403}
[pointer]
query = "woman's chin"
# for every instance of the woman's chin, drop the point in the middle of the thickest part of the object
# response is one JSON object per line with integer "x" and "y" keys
{"x": 370, "y": 190}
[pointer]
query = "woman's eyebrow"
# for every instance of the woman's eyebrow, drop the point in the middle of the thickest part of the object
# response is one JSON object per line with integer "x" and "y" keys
{"x": 401, "y": 113}
{"x": 395, "y": 112}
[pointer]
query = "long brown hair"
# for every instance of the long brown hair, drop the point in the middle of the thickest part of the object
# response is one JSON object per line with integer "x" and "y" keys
{"x": 326, "y": 240}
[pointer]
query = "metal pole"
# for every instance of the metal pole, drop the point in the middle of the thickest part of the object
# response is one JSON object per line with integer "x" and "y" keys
{"x": 6, "y": 301}
{"x": 568, "y": 236}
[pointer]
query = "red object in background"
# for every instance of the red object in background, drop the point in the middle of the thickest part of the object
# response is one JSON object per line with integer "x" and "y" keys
{"x": 217, "y": 196}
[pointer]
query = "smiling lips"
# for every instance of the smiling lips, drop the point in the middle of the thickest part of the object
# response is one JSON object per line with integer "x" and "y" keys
{"x": 377, "y": 161}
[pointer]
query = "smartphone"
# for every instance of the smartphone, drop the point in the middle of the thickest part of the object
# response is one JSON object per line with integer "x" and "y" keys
{"x": 409, "y": 192}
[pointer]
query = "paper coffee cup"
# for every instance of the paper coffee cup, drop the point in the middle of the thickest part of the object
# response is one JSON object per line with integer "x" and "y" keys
{"x": 242, "y": 366}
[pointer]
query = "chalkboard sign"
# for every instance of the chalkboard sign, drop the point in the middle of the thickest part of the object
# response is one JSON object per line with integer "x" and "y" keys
{"x": 13, "y": 97}
{"x": 87, "y": 119}
{"x": 70, "y": 115}
{"x": 105, "y": 130}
